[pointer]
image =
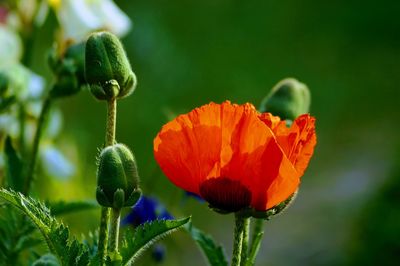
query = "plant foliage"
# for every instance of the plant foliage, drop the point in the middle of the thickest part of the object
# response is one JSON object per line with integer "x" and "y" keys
{"x": 65, "y": 248}
{"x": 138, "y": 240}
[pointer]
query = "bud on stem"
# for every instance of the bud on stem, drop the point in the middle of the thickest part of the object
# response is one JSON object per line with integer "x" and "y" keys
{"x": 107, "y": 69}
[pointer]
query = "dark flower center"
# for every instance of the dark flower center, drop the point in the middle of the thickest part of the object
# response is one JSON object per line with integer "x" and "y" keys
{"x": 225, "y": 194}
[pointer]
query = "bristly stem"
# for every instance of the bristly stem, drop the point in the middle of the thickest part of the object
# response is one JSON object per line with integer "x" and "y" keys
{"x": 114, "y": 233}
{"x": 103, "y": 234}
{"x": 238, "y": 239}
{"x": 111, "y": 121}
{"x": 44, "y": 113}
{"x": 245, "y": 241}
{"x": 105, "y": 212}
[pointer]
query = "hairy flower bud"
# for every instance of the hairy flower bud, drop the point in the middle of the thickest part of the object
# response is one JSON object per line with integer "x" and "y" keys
{"x": 107, "y": 69}
{"x": 117, "y": 177}
{"x": 288, "y": 99}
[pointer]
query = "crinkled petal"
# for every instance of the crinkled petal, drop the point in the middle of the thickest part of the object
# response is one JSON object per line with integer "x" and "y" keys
{"x": 298, "y": 141}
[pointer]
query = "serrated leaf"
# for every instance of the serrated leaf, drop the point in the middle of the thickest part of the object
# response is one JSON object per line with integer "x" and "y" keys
{"x": 61, "y": 244}
{"x": 145, "y": 235}
{"x": 213, "y": 252}
{"x": 63, "y": 207}
{"x": 16, "y": 235}
{"x": 15, "y": 166}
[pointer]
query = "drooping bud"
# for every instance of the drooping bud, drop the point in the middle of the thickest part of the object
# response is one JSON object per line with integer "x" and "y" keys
{"x": 288, "y": 99}
{"x": 117, "y": 177}
{"x": 107, "y": 69}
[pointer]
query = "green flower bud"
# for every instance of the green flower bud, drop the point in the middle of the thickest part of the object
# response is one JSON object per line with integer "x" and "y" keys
{"x": 68, "y": 69}
{"x": 288, "y": 99}
{"x": 66, "y": 84}
{"x": 107, "y": 69}
{"x": 76, "y": 53}
{"x": 117, "y": 177}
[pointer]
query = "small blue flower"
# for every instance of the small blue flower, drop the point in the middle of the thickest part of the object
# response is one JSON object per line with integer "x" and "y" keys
{"x": 147, "y": 209}
{"x": 158, "y": 253}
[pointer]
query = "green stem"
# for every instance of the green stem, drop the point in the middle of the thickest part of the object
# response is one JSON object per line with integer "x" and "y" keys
{"x": 245, "y": 242}
{"x": 36, "y": 142}
{"x": 111, "y": 121}
{"x": 22, "y": 117}
{"x": 105, "y": 212}
{"x": 258, "y": 228}
{"x": 103, "y": 234}
{"x": 114, "y": 230}
{"x": 238, "y": 239}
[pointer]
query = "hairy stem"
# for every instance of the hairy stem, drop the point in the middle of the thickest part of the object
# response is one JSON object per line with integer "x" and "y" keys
{"x": 245, "y": 242}
{"x": 111, "y": 121}
{"x": 103, "y": 234}
{"x": 114, "y": 230}
{"x": 105, "y": 212}
{"x": 237, "y": 240}
{"x": 36, "y": 142}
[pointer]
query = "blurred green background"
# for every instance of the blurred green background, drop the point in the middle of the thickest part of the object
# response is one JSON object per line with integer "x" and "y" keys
{"x": 188, "y": 53}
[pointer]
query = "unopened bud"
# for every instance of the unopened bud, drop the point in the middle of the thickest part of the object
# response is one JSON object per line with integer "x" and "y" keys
{"x": 107, "y": 69}
{"x": 117, "y": 177}
{"x": 288, "y": 99}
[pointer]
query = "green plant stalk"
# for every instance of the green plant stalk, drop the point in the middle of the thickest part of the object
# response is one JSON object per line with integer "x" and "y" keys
{"x": 245, "y": 241}
{"x": 237, "y": 239}
{"x": 44, "y": 114}
{"x": 105, "y": 212}
{"x": 21, "y": 117}
{"x": 258, "y": 228}
{"x": 114, "y": 230}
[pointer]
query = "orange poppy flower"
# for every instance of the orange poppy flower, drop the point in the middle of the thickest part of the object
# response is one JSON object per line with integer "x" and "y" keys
{"x": 234, "y": 157}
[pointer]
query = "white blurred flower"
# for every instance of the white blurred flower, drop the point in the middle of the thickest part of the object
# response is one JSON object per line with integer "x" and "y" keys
{"x": 24, "y": 83}
{"x": 11, "y": 47}
{"x": 78, "y": 18}
{"x": 55, "y": 164}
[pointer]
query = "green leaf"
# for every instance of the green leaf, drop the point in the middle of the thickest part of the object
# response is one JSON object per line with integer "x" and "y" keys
{"x": 15, "y": 178}
{"x": 67, "y": 250}
{"x": 17, "y": 236}
{"x": 145, "y": 235}
{"x": 213, "y": 252}
{"x": 63, "y": 207}
{"x": 251, "y": 259}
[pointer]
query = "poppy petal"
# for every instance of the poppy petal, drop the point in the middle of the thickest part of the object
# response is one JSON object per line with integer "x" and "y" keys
{"x": 188, "y": 147}
{"x": 298, "y": 141}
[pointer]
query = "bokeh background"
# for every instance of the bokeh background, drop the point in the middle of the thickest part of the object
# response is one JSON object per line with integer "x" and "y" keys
{"x": 188, "y": 53}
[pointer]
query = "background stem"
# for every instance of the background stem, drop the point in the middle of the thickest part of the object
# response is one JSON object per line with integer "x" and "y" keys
{"x": 44, "y": 113}
{"x": 258, "y": 228}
